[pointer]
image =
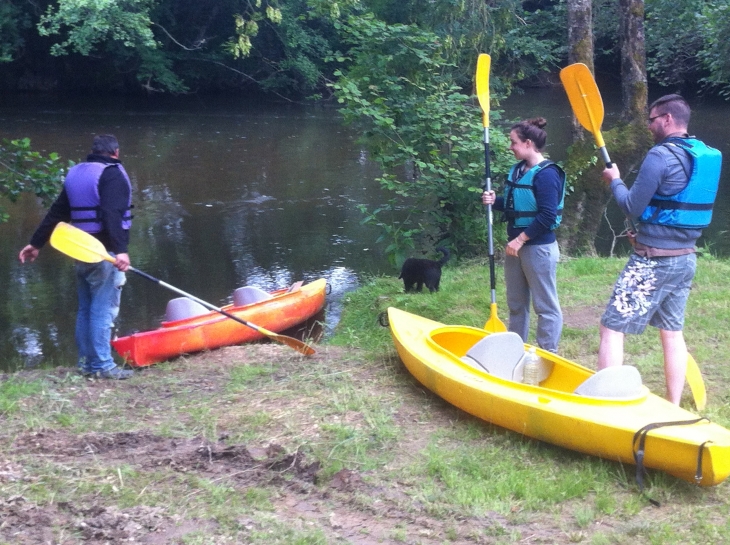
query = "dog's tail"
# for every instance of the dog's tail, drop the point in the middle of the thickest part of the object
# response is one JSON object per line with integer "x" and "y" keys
{"x": 446, "y": 257}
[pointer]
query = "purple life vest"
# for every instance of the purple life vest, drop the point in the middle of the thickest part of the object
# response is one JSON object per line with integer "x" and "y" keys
{"x": 82, "y": 188}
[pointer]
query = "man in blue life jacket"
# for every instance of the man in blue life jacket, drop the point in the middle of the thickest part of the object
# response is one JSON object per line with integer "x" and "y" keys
{"x": 671, "y": 201}
{"x": 97, "y": 198}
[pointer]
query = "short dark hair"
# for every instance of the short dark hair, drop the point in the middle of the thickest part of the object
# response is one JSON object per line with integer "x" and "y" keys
{"x": 675, "y": 105}
{"x": 105, "y": 144}
{"x": 532, "y": 129}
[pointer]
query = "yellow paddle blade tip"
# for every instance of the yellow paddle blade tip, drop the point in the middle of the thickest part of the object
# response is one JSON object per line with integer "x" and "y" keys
{"x": 696, "y": 383}
{"x": 484, "y": 64}
{"x": 494, "y": 324}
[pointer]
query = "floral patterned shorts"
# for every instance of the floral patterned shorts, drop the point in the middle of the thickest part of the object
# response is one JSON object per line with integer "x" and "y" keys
{"x": 650, "y": 291}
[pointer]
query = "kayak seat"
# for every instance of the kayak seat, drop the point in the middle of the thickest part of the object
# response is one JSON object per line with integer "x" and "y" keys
{"x": 497, "y": 353}
{"x": 249, "y": 294}
{"x": 182, "y": 307}
{"x": 296, "y": 286}
{"x": 618, "y": 382}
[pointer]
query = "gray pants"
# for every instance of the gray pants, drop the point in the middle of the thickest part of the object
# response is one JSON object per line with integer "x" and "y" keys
{"x": 533, "y": 274}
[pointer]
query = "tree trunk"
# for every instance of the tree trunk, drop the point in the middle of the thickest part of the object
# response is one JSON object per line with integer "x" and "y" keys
{"x": 580, "y": 43}
{"x": 587, "y": 196}
{"x": 633, "y": 61}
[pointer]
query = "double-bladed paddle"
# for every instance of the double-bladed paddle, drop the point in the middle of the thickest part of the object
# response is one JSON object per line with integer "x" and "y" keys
{"x": 585, "y": 100}
{"x": 484, "y": 62}
{"x": 81, "y": 246}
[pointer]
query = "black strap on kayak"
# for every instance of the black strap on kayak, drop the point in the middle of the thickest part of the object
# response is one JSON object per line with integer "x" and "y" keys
{"x": 640, "y": 437}
{"x": 698, "y": 473}
{"x": 383, "y": 319}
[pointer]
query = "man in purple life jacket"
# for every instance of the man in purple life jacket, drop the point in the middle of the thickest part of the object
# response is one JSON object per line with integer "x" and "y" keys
{"x": 97, "y": 198}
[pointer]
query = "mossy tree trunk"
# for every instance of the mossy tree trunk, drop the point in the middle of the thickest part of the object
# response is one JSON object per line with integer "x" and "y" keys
{"x": 633, "y": 61}
{"x": 586, "y": 197}
{"x": 580, "y": 43}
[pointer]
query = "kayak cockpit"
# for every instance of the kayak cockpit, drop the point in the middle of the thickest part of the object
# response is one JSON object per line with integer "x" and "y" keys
{"x": 502, "y": 355}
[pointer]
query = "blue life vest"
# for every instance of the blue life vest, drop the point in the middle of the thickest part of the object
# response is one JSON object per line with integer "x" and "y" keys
{"x": 690, "y": 208}
{"x": 82, "y": 188}
{"x": 520, "y": 205}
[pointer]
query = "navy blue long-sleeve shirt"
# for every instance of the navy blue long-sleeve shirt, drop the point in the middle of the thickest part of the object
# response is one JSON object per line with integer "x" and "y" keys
{"x": 548, "y": 188}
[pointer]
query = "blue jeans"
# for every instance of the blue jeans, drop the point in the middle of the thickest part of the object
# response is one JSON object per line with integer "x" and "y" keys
{"x": 532, "y": 275}
{"x": 99, "y": 291}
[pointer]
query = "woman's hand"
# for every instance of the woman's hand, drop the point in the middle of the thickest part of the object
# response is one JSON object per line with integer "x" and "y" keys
{"x": 514, "y": 245}
{"x": 488, "y": 197}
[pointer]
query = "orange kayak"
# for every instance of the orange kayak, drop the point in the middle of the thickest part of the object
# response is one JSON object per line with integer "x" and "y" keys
{"x": 212, "y": 330}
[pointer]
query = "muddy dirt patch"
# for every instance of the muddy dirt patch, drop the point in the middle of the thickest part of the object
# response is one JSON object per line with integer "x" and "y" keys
{"x": 148, "y": 451}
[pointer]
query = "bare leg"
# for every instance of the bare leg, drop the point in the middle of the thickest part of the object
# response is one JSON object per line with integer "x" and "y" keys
{"x": 611, "y": 348}
{"x": 675, "y": 363}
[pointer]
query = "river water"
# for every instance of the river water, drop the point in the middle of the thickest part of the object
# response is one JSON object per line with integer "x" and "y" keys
{"x": 227, "y": 193}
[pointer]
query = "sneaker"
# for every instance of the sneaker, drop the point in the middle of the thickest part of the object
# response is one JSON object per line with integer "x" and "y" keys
{"x": 84, "y": 371}
{"x": 116, "y": 373}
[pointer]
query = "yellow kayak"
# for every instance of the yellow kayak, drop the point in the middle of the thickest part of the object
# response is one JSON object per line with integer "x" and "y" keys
{"x": 608, "y": 414}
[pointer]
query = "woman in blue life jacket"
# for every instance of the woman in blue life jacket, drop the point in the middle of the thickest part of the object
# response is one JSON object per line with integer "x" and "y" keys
{"x": 533, "y": 205}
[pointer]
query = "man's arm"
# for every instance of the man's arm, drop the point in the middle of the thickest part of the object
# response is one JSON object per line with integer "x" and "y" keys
{"x": 60, "y": 211}
{"x": 634, "y": 201}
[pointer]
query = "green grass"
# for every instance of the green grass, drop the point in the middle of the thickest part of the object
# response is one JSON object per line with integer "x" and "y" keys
{"x": 13, "y": 390}
{"x": 354, "y": 407}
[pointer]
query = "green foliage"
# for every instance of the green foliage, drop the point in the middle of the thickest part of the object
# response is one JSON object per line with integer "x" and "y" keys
{"x": 121, "y": 30}
{"x": 247, "y": 26}
{"x": 715, "y": 56}
{"x": 522, "y": 44}
{"x": 302, "y": 40}
{"x": 687, "y": 43}
{"x": 171, "y": 46}
{"x": 89, "y": 23}
{"x": 606, "y": 21}
{"x": 13, "y": 21}
{"x": 280, "y": 45}
{"x": 155, "y": 66}
{"x": 25, "y": 171}
{"x": 422, "y": 130}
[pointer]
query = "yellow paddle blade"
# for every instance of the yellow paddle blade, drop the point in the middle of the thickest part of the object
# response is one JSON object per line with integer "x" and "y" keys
{"x": 484, "y": 63}
{"x": 78, "y": 244}
{"x": 585, "y": 98}
{"x": 494, "y": 324}
{"x": 291, "y": 342}
{"x": 696, "y": 384}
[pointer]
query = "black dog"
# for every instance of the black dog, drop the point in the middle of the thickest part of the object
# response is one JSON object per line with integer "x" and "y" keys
{"x": 423, "y": 271}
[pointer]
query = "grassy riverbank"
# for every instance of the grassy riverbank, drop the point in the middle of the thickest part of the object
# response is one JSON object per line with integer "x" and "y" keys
{"x": 256, "y": 444}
